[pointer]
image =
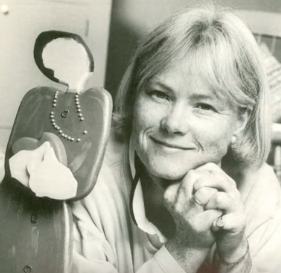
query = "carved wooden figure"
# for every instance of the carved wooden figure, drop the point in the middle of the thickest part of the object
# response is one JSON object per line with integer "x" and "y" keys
{"x": 54, "y": 154}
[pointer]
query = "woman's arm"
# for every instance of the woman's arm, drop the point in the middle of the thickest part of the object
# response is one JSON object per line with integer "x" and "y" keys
{"x": 193, "y": 238}
{"x": 242, "y": 265}
{"x": 229, "y": 229}
{"x": 93, "y": 253}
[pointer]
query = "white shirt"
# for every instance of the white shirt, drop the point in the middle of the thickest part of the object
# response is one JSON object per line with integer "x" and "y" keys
{"x": 107, "y": 240}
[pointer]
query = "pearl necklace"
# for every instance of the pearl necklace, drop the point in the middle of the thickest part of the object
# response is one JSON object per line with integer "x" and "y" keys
{"x": 64, "y": 115}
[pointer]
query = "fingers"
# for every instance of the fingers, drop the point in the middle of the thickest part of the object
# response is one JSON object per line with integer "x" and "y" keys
{"x": 216, "y": 178}
{"x": 229, "y": 222}
{"x": 207, "y": 219}
{"x": 233, "y": 218}
{"x": 210, "y": 167}
{"x": 170, "y": 195}
{"x": 223, "y": 201}
{"x": 198, "y": 186}
{"x": 228, "y": 228}
{"x": 178, "y": 201}
{"x": 193, "y": 223}
{"x": 182, "y": 193}
{"x": 190, "y": 179}
{"x": 203, "y": 195}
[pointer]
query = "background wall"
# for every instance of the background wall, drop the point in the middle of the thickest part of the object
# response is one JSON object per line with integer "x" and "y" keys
{"x": 131, "y": 19}
{"x": 20, "y": 26}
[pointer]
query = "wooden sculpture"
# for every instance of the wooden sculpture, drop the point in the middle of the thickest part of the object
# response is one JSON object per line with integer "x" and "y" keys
{"x": 54, "y": 154}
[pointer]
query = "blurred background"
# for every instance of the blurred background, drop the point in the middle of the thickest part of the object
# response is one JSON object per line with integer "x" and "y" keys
{"x": 131, "y": 19}
{"x": 111, "y": 28}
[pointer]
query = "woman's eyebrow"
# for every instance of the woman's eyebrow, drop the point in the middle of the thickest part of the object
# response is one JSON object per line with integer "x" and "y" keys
{"x": 210, "y": 94}
{"x": 203, "y": 96}
{"x": 160, "y": 84}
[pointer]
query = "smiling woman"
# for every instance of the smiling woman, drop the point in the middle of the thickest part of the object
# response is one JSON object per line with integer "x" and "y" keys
{"x": 185, "y": 181}
{"x": 179, "y": 123}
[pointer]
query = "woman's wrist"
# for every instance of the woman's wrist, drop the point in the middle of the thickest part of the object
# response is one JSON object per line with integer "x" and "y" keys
{"x": 234, "y": 264}
{"x": 190, "y": 259}
{"x": 230, "y": 263}
{"x": 235, "y": 255}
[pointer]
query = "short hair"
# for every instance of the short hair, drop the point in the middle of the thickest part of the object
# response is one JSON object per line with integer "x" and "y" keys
{"x": 223, "y": 50}
{"x": 45, "y": 38}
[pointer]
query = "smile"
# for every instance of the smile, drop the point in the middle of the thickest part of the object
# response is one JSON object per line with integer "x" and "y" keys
{"x": 171, "y": 146}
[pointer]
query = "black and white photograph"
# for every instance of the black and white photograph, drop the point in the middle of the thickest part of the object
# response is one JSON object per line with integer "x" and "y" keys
{"x": 140, "y": 136}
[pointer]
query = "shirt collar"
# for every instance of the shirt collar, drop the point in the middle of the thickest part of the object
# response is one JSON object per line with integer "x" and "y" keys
{"x": 137, "y": 204}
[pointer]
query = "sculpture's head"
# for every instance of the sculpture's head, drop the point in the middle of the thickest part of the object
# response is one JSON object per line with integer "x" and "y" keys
{"x": 64, "y": 57}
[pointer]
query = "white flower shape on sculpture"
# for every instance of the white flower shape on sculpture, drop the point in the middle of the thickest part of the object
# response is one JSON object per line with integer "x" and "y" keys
{"x": 41, "y": 171}
{"x": 50, "y": 178}
{"x": 18, "y": 163}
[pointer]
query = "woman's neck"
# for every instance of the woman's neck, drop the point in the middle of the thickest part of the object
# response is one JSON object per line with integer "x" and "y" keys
{"x": 155, "y": 210}
{"x": 232, "y": 168}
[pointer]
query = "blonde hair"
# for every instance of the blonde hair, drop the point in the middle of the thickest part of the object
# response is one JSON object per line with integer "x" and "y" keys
{"x": 219, "y": 47}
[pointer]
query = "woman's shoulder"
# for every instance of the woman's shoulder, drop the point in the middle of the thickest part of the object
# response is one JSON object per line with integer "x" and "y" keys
{"x": 264, "y": 178}
{"x": 113, "y": 182}
{"x": 116, "y": 149}
{"x": 115, "y": 167}
{"x": 260, "y": 183}
{"x": 261, "y": 193}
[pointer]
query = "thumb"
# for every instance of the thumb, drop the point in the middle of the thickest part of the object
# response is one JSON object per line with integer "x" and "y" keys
{"x": 171, "y": 194}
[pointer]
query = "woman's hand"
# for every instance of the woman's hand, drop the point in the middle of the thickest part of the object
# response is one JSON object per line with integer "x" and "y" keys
{"x": 228, "y": 229}
{"x": 193, "y": 237}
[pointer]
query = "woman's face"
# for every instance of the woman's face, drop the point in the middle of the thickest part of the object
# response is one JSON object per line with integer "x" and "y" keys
{"x": 179, "y": 123}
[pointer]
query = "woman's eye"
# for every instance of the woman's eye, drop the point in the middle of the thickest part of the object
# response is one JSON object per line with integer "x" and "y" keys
{"x": 158, "y": 95}
{"x": 206, "y": 107}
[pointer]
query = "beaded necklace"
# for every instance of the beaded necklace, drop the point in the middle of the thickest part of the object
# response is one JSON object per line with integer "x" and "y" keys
{"x": 64, "y": 114}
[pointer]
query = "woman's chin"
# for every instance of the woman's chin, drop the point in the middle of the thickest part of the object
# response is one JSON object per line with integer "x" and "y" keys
{"x": 171, "y": 174}
{"x": 166, "y": 167}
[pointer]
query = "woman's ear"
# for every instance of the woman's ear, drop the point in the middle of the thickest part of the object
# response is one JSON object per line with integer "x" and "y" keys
{"x": 243, "y": 118}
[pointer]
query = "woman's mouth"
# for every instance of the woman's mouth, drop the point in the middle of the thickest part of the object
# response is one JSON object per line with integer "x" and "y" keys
{"x": 169, "y": 146}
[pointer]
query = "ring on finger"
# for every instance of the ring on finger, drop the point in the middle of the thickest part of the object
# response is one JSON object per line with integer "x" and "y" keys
{"x": 197, "y": 201}
{"x": 220, "y": 222}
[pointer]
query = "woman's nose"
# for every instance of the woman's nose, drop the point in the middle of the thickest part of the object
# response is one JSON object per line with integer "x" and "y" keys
{"x": 176, "y": 120}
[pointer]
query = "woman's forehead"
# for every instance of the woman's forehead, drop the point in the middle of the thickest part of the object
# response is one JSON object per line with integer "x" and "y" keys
{"x": 188, "y": 84}
{"x": 185, "y": 74}
{"x": 180, "y": 72}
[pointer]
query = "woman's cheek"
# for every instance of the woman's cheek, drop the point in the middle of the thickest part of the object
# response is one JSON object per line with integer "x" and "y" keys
{"x": 212, "y": 136}
{"x": 148, "y": 113}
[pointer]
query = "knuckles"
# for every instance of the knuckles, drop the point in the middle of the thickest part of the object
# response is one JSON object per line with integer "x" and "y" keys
{"x": 221, "y": 200}
{"x": 204, "y": 194}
